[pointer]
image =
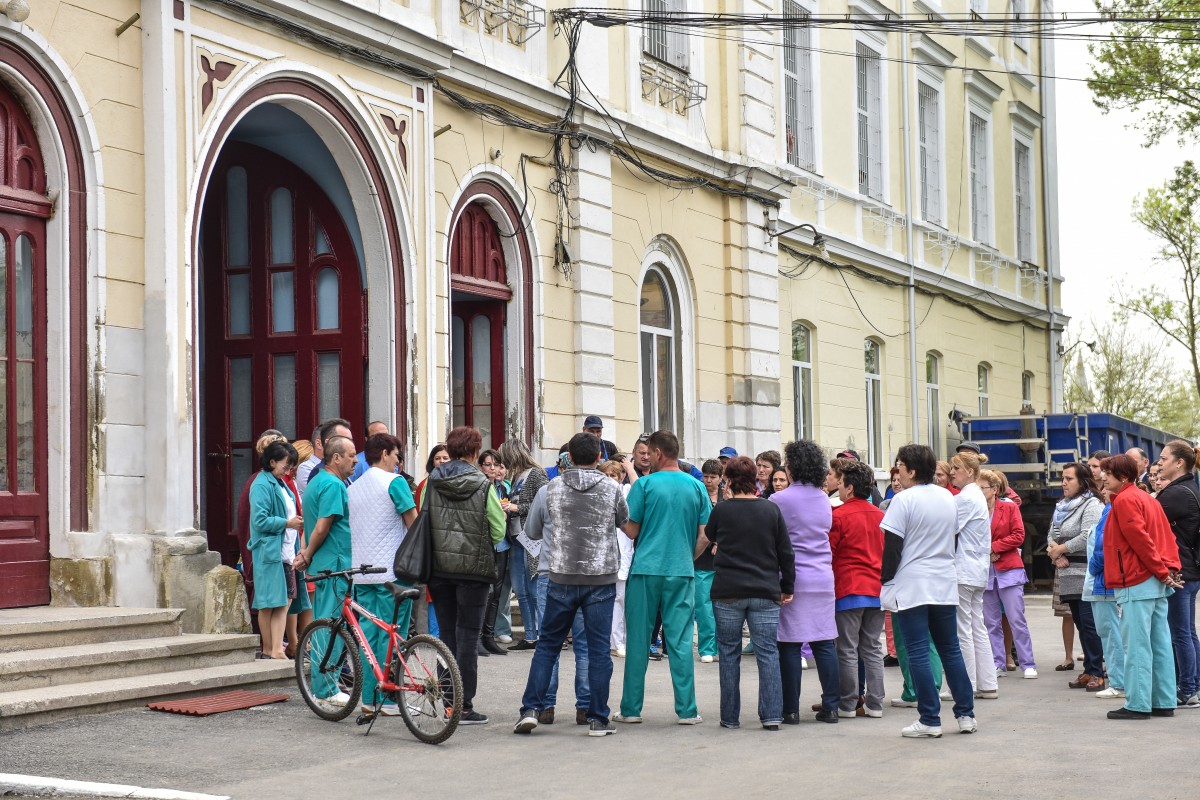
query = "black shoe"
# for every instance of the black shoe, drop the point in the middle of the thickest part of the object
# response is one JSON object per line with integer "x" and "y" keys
{"x": 1162, "y": 712}
{"x": 655, "y": 655}
{"x": 1125, "y": 713}
{"x": 481, "y": 650}
{"x": 772, "y": 727}
{"x": 791, "y": 719}
{"x": 472, "y": 717}
{"x": 524, "y": 644}
{"x": 827, "y": 716}
{"x": 598, "y": 728}
{"x": 891, "y": 661}
{"x": 489, "y": 644}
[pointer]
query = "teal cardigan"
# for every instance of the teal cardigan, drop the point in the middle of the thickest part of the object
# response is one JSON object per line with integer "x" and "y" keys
{"x": 268, "y": 516}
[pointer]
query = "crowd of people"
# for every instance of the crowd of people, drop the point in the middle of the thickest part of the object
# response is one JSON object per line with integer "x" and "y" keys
{"x": 644, "y": 556}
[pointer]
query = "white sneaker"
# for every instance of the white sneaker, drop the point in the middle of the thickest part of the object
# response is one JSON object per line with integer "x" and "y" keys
{"x": 874, "y": 713}
{"x": 504, "y": 639}
{"x": 987, "y": 694}
{"x": 803, "y": 662}
{"x": 1110, "y": 693}
{"x": 967, "y": 725}
{"x": 898, "y": 703}
{"x": 1001, "y": 673}
{"x": 846, "y": 714}
{"x": 706, "y": 659}
{"x": 526, "y": 723}
{"x": 946, "y": 695}
{"x": 919, "y": 730}
{"x": 626, "y": 720}
{"x": 335, "y": 703}
{"x": 385, "y": 710}
{"x": 1029, "y": 674}
{"x": 696, "y": 720}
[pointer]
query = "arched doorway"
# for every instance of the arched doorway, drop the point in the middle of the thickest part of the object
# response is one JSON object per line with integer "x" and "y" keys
{"x": 24, "y": 492}
{"x": 479, "y": 297}
{"x": 282, "y": 320}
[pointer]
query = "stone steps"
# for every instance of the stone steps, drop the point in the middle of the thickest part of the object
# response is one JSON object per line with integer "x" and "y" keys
{"x": 44, "y": 627}
{"x": 27, "y": 707}
{"x": 56, "y": 666}
{"x": 57, "y": 663}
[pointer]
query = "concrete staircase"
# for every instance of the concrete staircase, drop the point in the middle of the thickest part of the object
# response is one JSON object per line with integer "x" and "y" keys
{"x": 67, "y": 662}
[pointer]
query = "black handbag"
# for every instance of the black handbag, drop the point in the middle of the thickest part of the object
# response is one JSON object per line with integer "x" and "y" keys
{"x": 413, "y": 563}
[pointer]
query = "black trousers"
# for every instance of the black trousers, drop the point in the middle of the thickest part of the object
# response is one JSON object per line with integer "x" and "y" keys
{"x": 460, "y": 609}
{"x": 1089, "y": 638}
{"x": 493, "y": 605}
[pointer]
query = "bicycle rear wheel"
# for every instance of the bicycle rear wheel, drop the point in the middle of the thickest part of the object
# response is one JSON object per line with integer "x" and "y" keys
{"x": 430, "y": 695}
{"x": 329, "y": 669}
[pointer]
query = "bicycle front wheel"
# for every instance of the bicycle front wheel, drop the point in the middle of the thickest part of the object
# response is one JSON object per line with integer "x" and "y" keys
{"x": 329, "y": 670}
{"x": 430, "y": 695}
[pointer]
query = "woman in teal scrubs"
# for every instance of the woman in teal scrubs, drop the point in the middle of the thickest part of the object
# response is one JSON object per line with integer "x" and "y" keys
{"x": 269, "y": 519}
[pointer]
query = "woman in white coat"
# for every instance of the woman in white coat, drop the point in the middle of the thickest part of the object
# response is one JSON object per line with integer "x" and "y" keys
{"x": 972, "y": 555}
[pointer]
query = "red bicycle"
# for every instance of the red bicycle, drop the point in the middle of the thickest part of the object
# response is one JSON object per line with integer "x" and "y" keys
{"x": 422, "y": 677}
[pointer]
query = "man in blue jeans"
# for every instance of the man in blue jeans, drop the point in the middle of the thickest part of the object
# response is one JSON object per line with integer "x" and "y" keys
{"x": 581, "y": 511}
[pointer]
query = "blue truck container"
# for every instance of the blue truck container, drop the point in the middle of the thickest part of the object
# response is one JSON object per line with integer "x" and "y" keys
{"x": 1031, "y": 450}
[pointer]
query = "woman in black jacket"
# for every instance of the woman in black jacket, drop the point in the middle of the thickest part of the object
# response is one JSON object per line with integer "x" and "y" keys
{"x": 1181, "y": 503}
{"x": 755, "y": 573}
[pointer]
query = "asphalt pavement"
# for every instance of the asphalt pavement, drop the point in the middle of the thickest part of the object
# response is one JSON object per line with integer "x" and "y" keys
{"x": 1039, "y": 740}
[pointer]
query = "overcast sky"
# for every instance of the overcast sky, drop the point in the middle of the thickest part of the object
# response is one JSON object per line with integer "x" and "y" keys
{"x": 1102, "y": 167}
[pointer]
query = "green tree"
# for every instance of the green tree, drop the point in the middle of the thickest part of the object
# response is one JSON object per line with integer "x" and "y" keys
{"x": 1169, "y": 214}
{"x": 1120, "y": 374}
{"x": 1151, "y": 67}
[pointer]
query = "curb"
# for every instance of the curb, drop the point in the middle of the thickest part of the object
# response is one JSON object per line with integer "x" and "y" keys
{"x": 33, "y": 786}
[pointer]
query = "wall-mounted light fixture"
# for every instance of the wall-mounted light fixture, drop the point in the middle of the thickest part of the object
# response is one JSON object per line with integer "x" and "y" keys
{"x": 16, "y": 10}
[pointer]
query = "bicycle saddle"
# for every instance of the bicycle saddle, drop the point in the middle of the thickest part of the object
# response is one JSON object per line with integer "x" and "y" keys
{"x": 403, "y": 592}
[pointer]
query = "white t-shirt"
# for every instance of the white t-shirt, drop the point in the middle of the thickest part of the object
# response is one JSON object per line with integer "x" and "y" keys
{"x": 289, "y": 534}
{"x": 925, "y": 517}
{"x": 972, "y": 556}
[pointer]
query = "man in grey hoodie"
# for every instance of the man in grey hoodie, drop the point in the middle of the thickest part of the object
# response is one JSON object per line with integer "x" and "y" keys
{"x": 582, "y": 508}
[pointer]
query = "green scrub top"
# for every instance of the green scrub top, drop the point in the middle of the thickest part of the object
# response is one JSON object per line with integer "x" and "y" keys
{"x": 325, "y": 496}
{"x": 670, "y": 506}
{"x": 401, "y": 496}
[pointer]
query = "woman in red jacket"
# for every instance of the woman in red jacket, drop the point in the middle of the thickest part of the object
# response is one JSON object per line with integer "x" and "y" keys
{"x": 1141, "y": 562}
{"x": 1004, "y": 595}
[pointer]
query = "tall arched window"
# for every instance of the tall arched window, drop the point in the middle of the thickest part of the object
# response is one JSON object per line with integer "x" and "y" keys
{"x": 984, "y": 380}
{"x": 873, "y": 366}
{"x": 802, "y": 379}
{"x": 659, "y": 336}
{"x": 933, "y": 368}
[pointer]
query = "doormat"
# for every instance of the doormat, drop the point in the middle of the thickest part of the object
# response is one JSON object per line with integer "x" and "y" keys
{"x": 217, "y": 703}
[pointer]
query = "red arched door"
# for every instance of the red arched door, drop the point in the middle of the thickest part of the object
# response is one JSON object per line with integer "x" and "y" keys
{"x": 479, "y": 294}
{"x": 24, "y": 505}
{"x": 283, "y": 321}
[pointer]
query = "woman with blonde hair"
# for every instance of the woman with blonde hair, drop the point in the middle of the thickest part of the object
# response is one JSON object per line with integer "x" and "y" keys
{"x": 971, "y": 562}
{"x": 1004, "y": 594}
{"x": 941, "y": 476}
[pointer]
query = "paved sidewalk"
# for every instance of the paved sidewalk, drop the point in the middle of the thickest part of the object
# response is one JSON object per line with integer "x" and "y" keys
{"x": 1039, "y": 740}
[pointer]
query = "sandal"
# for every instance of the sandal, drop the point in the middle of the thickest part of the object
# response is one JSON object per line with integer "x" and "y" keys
{"x": 1067, "y": 667}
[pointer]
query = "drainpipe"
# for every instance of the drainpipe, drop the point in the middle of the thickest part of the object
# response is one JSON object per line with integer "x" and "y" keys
{"x": 1050, "y": 205}
{"x": 906, "y": 133}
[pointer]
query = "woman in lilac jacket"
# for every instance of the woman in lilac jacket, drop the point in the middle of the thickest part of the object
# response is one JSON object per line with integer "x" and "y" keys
{"x": 810, "y": 616}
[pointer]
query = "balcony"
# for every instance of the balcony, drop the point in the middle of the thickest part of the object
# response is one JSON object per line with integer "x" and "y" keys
{"x": 669, "y": 87}
{"x": 514, "y": 21}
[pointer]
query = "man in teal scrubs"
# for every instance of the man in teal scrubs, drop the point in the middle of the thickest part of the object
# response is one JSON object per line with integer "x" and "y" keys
{"x": 327, "y": 546}
{"x": 667, "y": 512}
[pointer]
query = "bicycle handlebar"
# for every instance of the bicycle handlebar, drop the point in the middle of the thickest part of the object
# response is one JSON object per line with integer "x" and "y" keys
{"x": 364, "y": 569}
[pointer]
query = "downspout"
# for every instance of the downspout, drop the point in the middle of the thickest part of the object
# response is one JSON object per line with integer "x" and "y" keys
{"x": 1050, "y": 205}
{"x": 906, "y": 133}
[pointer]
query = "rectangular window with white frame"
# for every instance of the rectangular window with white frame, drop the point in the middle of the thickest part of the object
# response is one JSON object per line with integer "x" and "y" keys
{"x": 869, "y": 104}
{"x": 873, "y": 366}
{"x": 798, "y": 87}
{"x": 1023, "y": 201}
{"x": 981, "y": 178}
{"x": 802, "y": 379}
{"x": 933, "y": 402}
{"x": 929, "y": 118}
{"x": 666, "y": 42}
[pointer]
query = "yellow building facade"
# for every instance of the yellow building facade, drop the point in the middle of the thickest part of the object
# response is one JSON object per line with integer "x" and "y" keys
{"x": 258, "y": 215}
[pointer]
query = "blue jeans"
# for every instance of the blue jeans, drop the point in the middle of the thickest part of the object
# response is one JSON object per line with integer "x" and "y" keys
{"x": 523, "y": 587}
{"x": 762, "y": 616}
{"x": 580, "y": 646}
{"x": 940, "y": 623}
{"x": 564, "y": 605}
{"x": 1181, "y": 616}
{"x": 790, "y": 673}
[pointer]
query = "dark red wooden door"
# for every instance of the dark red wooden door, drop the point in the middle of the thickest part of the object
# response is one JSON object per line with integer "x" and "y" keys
{"x": 24, "y": 501}
{"x": 284, "y": 329}
{"x": 479, "y": 300}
